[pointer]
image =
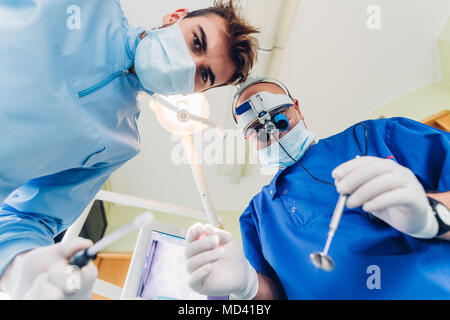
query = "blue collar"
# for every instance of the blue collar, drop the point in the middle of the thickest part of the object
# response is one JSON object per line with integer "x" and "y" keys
{"x": 273, "y": 183}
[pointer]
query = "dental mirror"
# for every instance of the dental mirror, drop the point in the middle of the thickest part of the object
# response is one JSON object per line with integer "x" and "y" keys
{"x": 322, "y": 260}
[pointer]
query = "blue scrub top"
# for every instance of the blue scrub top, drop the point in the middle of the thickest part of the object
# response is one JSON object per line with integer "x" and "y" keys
{"x": 68, "y": 112}
{"x": 289, "y": 219}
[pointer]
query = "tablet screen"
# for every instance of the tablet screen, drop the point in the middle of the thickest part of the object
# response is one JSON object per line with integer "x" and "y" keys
{"x": 165, "y": 275}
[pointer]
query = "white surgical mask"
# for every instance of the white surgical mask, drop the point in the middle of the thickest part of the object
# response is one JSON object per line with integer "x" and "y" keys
{"x": 163, "y": 63}
{"x": 296, "y": 142}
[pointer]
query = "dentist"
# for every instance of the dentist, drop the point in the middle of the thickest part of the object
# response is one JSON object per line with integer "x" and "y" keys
{"x": 393, "y": 238}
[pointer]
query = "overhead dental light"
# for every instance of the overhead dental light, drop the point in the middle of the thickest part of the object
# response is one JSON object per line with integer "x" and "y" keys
{"x": 184, "y": 116}
{"x": 175, "y": 113}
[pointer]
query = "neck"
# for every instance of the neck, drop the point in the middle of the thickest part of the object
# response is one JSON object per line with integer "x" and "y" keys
{"x": 132, "y": 70}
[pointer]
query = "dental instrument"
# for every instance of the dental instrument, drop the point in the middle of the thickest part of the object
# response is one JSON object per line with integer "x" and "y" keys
{"x": 82, "y": 257}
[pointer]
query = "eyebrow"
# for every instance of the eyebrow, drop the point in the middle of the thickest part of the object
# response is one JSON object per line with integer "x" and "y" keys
{"x": 211, "y": 75}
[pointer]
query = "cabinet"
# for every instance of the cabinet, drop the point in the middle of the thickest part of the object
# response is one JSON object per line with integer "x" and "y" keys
{"x": 112, "y": 268}
{"x": 440, "y": 120}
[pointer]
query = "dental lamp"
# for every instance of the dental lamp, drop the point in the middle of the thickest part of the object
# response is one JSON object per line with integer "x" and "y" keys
{"x": 184, "y": 116}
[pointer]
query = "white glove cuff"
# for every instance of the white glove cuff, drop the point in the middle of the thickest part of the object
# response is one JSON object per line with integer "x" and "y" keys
{"x": 251, "y": 289}
{"x": 430, "y": 229}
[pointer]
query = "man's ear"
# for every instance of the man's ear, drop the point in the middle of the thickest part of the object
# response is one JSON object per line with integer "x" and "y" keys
{"x": 298, "y": 109}
{"x": 173, "y": 17}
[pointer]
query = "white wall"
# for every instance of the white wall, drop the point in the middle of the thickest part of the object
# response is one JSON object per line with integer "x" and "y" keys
{"x": 341, "y": 70}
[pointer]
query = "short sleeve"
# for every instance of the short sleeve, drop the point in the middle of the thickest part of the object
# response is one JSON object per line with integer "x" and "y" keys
{"x": 252, "y": 244}
{"x": 423, "y": 149}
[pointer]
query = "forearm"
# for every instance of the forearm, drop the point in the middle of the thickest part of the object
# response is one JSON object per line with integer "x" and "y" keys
{"x": 21, "y": 232}
{"x": 268, "y": 289}
{"x": 443, "y": 197}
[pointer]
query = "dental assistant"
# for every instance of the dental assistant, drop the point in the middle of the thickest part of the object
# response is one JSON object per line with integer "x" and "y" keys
{"x": 393, "y": 238}
{"x": 70, "y": 75}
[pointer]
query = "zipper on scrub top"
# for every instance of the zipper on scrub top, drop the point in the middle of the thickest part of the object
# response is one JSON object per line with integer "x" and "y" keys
{"x": 103, "y": 83}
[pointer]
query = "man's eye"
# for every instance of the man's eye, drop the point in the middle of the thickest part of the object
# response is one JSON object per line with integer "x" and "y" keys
{"x": 197, "y": 43}
{"x": 205, "y": 76}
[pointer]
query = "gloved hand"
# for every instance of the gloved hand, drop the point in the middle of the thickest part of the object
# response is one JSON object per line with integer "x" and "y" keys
{"x": 44, "y": 273}
{"x": 217, "y": 265}
{"x": 389, "y": 191}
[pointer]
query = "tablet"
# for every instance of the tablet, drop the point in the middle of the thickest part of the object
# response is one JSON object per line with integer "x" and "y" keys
{"x": 165, "y": 275}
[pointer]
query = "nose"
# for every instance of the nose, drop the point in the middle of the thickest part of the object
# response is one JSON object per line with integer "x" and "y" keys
{"x": 199, "y": 87}
{"x": 263, "y": 136}
{"x": 200, "y": 84}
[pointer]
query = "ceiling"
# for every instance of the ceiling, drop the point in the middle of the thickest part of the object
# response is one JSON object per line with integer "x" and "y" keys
{"x": 338, "y": 69}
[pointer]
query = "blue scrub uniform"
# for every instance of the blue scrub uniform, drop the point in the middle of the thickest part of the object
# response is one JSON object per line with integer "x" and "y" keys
{"x": 289, "y": 219}
{"x": 68, "y": 111}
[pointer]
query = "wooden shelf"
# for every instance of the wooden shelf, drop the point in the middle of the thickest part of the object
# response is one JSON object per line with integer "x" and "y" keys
{"x": 440, "y": 120}
{"x": 113, "y": 268}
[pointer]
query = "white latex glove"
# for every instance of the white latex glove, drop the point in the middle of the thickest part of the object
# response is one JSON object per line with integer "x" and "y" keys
{"x": 216, "y": 264}
{"x": 389, "y": 191}
{"x": 44, "y": 273}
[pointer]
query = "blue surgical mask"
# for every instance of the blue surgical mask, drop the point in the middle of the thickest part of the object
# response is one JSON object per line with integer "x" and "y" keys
{"x": 163, "y": 63}
{"x": 296, "y": 142}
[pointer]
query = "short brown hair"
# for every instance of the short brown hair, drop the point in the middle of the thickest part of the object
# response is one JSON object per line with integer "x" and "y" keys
{"x": 243, "y": 46}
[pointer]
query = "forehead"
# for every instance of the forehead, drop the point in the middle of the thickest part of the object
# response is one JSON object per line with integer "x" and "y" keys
{"x": 254, "y": 89}
{"x": 213, "y": 25}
